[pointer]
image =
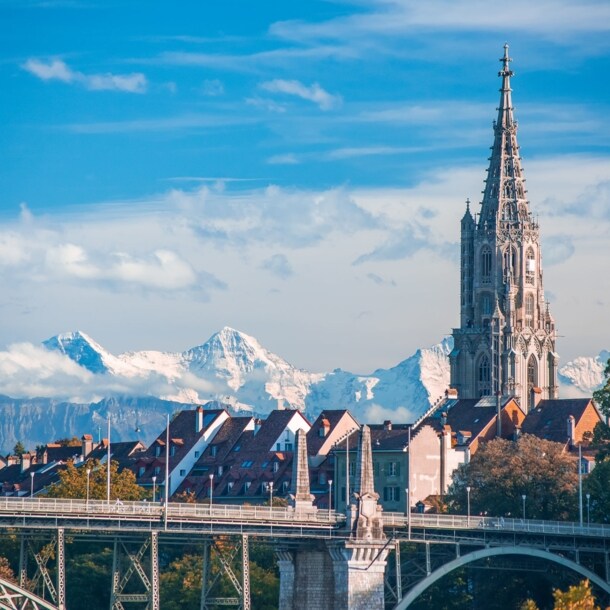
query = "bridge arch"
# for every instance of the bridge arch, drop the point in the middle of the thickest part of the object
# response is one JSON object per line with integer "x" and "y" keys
{"x": 421, "y": 586}
{"x": 12, "y": 596}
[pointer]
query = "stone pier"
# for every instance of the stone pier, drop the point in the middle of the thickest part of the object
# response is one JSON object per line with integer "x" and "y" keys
{"x": 341, "y": 574}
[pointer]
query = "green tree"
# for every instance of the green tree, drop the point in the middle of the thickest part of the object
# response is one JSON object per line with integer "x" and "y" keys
{"x": 601, "y": 441}
{"x": 73, "y": 482}
{"x": 19, "y": 448}
{"x": 597, "y": 485}
{"x": 502, "y": 471}
{"x": 602, "y": 396}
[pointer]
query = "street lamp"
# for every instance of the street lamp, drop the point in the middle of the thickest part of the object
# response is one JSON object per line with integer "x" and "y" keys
{"x": 580, "y": 483}
{"x": 31, "y": 484}
{"x": 154, "y": 479}
{"x": 468, "y": 488}
{"x": 523, "y": 498}
{"x": 330, "y": 496}
{"x": 211, "y": 475}
{"x": 88, "y": 471}
{"x": 271, "y": 496}
{"x": 588, "y": 496}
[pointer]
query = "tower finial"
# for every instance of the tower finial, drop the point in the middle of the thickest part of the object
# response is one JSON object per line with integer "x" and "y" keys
{"x": 468, "y": 204}
{"x": 505, "y": 72}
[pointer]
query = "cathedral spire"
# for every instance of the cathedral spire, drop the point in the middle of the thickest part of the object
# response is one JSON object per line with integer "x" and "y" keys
{"x": 504, "y": 194}
{"x": 506, "y": 339}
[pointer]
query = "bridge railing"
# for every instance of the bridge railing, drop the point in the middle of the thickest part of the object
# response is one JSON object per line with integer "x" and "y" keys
{"x": 238, "y": 513}
{"x": 476, "y": 522}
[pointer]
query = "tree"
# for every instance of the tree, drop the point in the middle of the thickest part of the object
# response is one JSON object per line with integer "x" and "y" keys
{"x": 597, "y": 485}
{"x": 502, "y": 471}
{"x": 602, "y": 396}
{"x": 19, "y": 448}
{"x": 601, "y": 441}
{"x": 73, "y": 482}
{"x": 577, "y": 597}
{"x": 6, "y": 572}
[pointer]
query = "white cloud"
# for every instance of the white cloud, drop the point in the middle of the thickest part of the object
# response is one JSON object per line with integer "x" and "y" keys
{"x": 285, "y": 159}
{"x": 212, "y": 88}
{"x": 56, "y": 69}
{"x": 313, "y": 93}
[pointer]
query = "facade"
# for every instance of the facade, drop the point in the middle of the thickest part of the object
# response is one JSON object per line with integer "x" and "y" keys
{"x": 506, "y": 340}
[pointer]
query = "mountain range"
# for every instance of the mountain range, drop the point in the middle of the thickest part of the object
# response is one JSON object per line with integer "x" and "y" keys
{"x": 136, "y": 390}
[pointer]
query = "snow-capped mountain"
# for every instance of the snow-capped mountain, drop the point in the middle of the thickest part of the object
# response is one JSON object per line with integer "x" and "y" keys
{"x": 73, "y": 384}
{"x": 583, "y": 375}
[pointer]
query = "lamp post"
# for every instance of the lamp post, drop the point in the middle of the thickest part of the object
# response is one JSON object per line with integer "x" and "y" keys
{"x": 211, "y": 475}
{"x": 154, "y": 480}
{"x": 31, "y": 484}
{"x": 468, "y": 504}
{"x": 88, "y": 471}
{"x": 408, "y": 511}
{"x": 330, "y": 497}
{"x": 523, "y": 496}
{"x": 271, "y": 497}
{"x": 588, "y": 496}
{"x": 580, "y": 483}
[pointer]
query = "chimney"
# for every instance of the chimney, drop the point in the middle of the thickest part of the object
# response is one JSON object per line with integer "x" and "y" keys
{"x": 26, "y": 461}
{"x": 571, "y": 430}
{"x": 87, "y": 445}
{"x": 452, "y": 393}
{"x": 387, "y": 424}
{"x": 199, "y": 419}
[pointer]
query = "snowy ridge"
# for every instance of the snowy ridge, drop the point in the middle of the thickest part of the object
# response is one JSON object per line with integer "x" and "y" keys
{"x": 73, "y": 384}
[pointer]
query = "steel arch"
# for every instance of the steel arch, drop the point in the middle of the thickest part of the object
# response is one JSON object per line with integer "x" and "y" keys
{"x": 421, "y": 586}
{"x": 13, "y": 597}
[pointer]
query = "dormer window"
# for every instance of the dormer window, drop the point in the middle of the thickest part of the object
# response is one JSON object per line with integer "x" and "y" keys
{"x": 157, "y": 450}
{"x": 276, "y": 466}
{"x": 172, "y": 450}
{"x": 213, "y": 450}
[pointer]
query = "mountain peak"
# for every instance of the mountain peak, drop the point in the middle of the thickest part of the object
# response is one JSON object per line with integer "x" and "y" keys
{"x": 80, "y": 348}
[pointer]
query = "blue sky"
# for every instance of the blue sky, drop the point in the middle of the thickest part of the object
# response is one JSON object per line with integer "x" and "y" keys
{"x": 296, "y": 170}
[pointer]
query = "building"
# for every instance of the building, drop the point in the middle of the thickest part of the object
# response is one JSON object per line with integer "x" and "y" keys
{"x": 506, "y": 340}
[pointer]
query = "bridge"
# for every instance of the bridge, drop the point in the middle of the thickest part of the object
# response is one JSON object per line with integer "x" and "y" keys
{"x": 326, "y": 559}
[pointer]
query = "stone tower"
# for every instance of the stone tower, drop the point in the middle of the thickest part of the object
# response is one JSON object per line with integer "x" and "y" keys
{"x": 506, "y": 340}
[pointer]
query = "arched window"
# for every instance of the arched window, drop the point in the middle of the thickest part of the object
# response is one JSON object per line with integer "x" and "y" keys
{"x": 486, "y": 264}
{"x": 484, "y": 376}
{"x": 532, "y": 372}
{"x": 510, "y": 262}
{"x": 530, "y": 266}
{"x": 529, "y": 310}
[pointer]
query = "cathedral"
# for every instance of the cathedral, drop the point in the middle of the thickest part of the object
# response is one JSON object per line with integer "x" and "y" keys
{"x": 505, "y": 345}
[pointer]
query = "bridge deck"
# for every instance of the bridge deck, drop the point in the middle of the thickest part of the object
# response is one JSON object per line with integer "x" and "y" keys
{"x": 100, "y": 516}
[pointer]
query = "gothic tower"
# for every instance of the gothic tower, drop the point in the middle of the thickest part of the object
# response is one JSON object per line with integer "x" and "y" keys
{"x": 506, "y": 341}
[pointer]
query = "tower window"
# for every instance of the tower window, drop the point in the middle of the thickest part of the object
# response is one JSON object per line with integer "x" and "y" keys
{"x": 532, "y": 372}
{"x": 486, "y": 304}
{"x": 484, "y": 376}
{"x": 530, "y": 266}
{"x": 486, "y": 265}
{"x": 529, "y": 310}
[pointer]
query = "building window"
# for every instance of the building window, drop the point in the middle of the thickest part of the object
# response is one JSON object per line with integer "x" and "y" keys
{"x": 486, "y": 264}
{"x": 220, "y": 470}
{"x": 230, "y": 485}
{"x": 172, "y": 450}
{"x": 532, "y": 372}
{"x": 141, "y": 471}
{"x": 484, "y": 376}
{"x": 352, "y": 468}
{"x": 278, "y": 447}
{"x": 391, "y": 494}
{"x": 276, "y": 466}
{"x": 322, "y": 478}
{"x": 393, "y": 469}
{"x": 343, "y": 494}
{"x": 375, "y": 468}
{"x": 157, "y": 470}
{"x": 197, "y": 453}
{"x": 486, "y": 304}
{"x": 288, "y": 447}
{"x": 182, "y": 472}
{"x": 158, "y": 450}
{"x": 247, "y": 463}
{"x": 529, "y": 310}
{"x": 530, "y": 266}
